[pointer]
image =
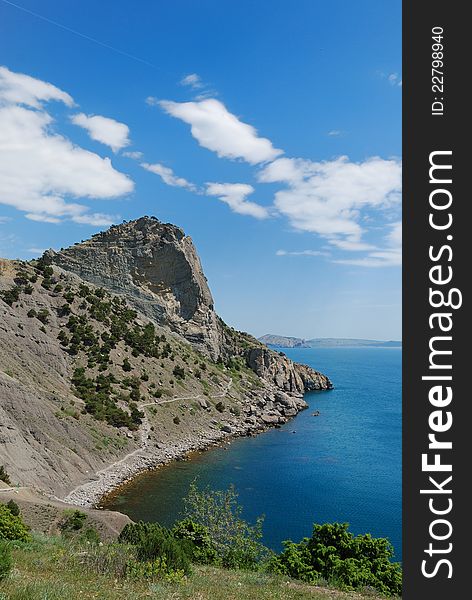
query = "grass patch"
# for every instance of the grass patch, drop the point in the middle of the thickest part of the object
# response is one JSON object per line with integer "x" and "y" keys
{"x": 55, "y": 569}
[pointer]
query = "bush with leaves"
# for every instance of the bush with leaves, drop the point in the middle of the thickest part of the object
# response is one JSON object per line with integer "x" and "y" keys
{"x": 154, "y": 542}
{"x": 350, "y": 562}
{"x": 202, "y": 548}
{"x": 179, "y": 372}
{"x": 12, "y": 526}
{"x": 11, "y": 296}
{"x": 237, "y": 542}
{"x": 13, "y": 508}
{"x": 73, "y": 520}
{"x": 5, "y": 560}
{"x": 4, "y": 475}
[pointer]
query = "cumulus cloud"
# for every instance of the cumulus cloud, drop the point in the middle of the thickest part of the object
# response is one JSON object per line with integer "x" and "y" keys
{"x": 168, "y": 176}
{"x": 327, "y": 198}
{"x": 104, "y": 130}
{"x": 216, "y": 129}
{"x": 193, "y": 80}
{"x": 17, "y": 88}
{"x": 41, "y": 170}
{"x": 234, "y": 195}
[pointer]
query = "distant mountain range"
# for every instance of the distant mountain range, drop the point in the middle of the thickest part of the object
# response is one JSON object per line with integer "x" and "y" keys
{"x": 281, "y": 341}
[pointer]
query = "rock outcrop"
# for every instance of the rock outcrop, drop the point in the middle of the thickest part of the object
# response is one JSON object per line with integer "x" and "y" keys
{"x": 285, "y": 374}
{"x": 155, "y": 265}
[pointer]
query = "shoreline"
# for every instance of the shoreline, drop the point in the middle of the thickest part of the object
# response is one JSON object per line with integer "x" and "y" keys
{"x": 117, "y": 475}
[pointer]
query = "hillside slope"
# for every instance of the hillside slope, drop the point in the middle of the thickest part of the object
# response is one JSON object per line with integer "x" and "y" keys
{"x": 112, "y": 360}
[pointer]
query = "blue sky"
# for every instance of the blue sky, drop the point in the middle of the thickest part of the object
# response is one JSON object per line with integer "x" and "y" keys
{"x": 269, "y": 131}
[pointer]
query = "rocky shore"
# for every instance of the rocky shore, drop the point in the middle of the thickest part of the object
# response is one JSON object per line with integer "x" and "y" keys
{"x": 259, "y": 417}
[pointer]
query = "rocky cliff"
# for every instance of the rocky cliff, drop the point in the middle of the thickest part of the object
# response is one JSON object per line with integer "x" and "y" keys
{"x": 157, "y": 267}
{"x": 113, "y": 360}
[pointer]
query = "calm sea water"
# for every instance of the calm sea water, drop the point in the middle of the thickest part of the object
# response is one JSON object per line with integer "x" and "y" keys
{"x": 344, "y": 465}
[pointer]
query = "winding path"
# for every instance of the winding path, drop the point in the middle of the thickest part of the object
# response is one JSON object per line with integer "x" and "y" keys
{"x": 144, "y": 440}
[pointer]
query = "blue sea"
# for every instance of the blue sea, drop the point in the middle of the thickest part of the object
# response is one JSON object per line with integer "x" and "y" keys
{"x": 343, "y": 465}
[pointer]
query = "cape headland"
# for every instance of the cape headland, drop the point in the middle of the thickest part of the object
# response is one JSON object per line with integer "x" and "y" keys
{"x": 113, "y": 361}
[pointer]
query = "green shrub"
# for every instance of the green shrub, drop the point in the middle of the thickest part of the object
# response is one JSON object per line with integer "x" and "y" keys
{"x": 351, "y": 562}
{"x": 176, "y": 420}
{"x": 12, "y": 526}
{"x": 73, "y": 520}
{"x": 31, "y": 313}
{"x": 13, "y": 508}
{"x": 4, "y": 475}
{"x": 220, "y": 407}
{"x": 179, "y": 372}
{"x": 126, "y": 365}
{"x": 236, "y": 542}
{"x": 202, "y": 548}
{"x": 154, "y": 542}
{"x": 11, "y": 296}
{"x": 43, "y": 316}
{"x": 5, "y": 560}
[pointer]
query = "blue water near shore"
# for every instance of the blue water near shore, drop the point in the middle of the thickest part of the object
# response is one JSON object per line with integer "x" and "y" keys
{"x": 344, "y": 465}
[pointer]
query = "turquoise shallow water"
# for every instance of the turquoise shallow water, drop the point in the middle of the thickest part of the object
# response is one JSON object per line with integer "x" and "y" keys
{"x": 344, "y": 465}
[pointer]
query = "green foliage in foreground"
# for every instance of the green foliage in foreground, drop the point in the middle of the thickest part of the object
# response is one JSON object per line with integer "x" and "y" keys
{"x": 58, "y": 568}
{"x": 157, "y": 549}
{"x": 73, "y": 520}
{"x": 237, "y": 544}
{"x": 336, "y": 555}
{"x": 5, "y": 560}
{"x": 202, "y": 548}
{"x": 13, "y": 508}
{"x": 213, "y": 536}
{"x": 12, "y": 526}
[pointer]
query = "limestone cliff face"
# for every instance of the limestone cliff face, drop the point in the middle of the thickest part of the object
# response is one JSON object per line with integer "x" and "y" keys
{"x": 285, "y": 374}
{"x": 157, "y": 267}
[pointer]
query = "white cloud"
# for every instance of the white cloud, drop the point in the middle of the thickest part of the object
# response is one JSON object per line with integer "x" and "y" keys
{"x": 216, "y": 129}
{"x": 301, "y": 253}
{"x": 394, "y": 79}
{"x": 17, "y": 88}
{"x": 135, "y": 154}
{"x": 104, "y": 130}
{"x": 37, "y": 250}
{"x": 328, "y": 197}
{"x": 39, "y": 169}
{"x": 389, "y": 256}
{"x": 152, "y": 101}
{"x": 193, "y": 80}
{"x": 167, "y": 176}
{"x": 234, "y": 195}
{"x": 335, "y": 133}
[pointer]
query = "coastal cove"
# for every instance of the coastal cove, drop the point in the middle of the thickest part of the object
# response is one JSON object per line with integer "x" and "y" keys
{"x": 343, "y": 465}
